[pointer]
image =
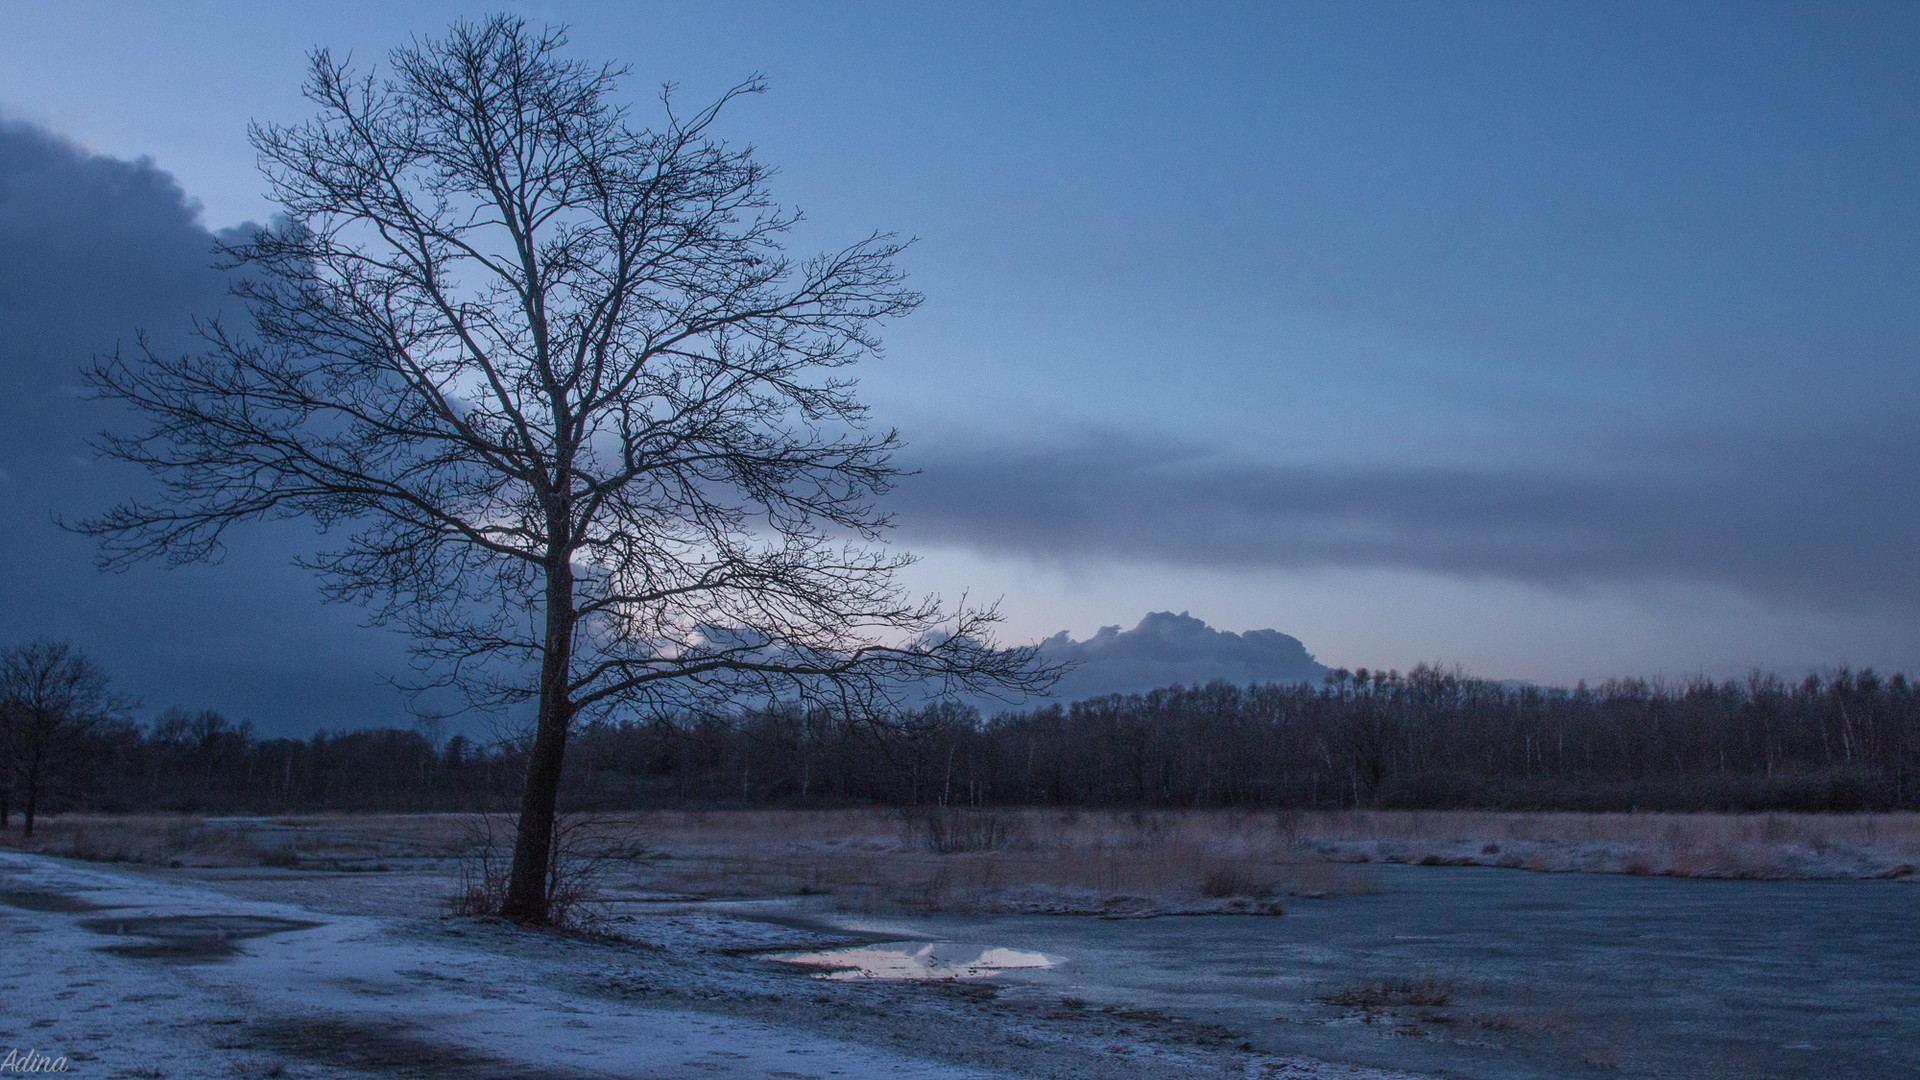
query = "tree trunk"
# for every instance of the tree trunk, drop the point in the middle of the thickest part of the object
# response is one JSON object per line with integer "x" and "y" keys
{"x": 527, "y": 897}
{"x": 33, "y": 796}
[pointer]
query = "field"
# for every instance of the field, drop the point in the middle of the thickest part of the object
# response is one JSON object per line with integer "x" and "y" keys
{"x": 1028, "y": 861}
{"x": 352, "y": 946}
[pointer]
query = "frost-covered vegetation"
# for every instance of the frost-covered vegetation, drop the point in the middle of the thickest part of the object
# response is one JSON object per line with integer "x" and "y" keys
{"x": 931, "y": 859}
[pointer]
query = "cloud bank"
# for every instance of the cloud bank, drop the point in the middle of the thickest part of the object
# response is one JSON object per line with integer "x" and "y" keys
{"x": 1816, "y": 520}
{"x": 93, "y": 249}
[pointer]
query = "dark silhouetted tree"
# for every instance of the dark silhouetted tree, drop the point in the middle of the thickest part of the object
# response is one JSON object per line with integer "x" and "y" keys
{"x": 52, "y": 697}
{"x": 577, "y": 415}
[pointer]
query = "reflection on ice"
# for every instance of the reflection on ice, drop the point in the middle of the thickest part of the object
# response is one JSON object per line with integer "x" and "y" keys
{"x": 898, "y": 961}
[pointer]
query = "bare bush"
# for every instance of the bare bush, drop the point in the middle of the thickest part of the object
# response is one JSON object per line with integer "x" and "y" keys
{"x": 1226, "y": 880}
{"x": 483, "y": 863}
{"x": 586, "y": 848}
{"x": 1424, "y": 991}
{"x": 944, "y": 830}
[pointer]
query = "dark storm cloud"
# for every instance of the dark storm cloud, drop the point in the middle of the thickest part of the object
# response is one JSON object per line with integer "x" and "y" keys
{"x": 93, "y": 249}
{"x": 1816, "y": 521}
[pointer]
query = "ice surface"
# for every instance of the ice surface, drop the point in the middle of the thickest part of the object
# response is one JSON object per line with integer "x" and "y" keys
{"x": 942, "y": 960}
{"x": 130, "y": 971}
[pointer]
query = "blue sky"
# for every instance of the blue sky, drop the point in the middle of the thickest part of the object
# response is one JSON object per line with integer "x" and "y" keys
{"x": 1559, "y": 341}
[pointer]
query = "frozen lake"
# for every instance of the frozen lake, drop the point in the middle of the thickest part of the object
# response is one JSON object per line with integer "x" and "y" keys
{"x": 1494, "y": 974}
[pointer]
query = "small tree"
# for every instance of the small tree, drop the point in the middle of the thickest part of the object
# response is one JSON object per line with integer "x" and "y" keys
{"x": 8, "y": 758}
{"x": 52, "y": 696}
{"x": 572, "y": 401}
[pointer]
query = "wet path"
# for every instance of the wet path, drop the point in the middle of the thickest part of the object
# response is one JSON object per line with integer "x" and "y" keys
{"x": 1497, "y": 974}
{"x": 119, "y": 976}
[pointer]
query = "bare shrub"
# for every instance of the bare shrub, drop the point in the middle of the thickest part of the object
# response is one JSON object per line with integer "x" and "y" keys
{"x": 258, "y": 1068}
{"x": 946, "y": 829}
{"x": 1227, "y": 880}
{"x": 585, "y": 848}
{"x": 1289, "y": 827}
{"x": 1424, "y": 991}
{"x": 483, "y": 863}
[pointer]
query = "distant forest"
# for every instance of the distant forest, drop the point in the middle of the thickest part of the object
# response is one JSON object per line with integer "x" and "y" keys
{"x": 1428, "y": 739}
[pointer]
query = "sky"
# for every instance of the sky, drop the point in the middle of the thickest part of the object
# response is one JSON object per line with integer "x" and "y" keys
{"x": 1555, "y": 341}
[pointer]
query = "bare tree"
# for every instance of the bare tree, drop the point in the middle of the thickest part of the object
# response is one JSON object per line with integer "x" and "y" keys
{"x": 51, "y": 696}
{"x": 9, "y": 760}
{"x": 578, "y": 412}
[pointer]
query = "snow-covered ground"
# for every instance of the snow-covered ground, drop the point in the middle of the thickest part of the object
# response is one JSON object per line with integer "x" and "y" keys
{"x": 146, "y": 972}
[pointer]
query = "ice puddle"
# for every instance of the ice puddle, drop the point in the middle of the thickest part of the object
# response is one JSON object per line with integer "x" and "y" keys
{"x": 898, "y": 960}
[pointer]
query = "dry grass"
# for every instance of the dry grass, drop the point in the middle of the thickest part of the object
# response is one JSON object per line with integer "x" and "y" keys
{"x": 875, "y": 860}
{"x": 319, "y": 842}
{"x": 987, "y": 860}
{"x": 153, "y": 839}
{"x": 1678, "y": 845}
{"x": 1033, "y": 860}
{"x": 1689, "y": 830}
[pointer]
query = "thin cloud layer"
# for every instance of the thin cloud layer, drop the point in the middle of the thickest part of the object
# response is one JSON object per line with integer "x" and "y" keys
{"x": 1816, "y": 521}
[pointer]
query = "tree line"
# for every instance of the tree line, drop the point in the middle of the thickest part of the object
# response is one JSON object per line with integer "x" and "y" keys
{"x": 1428, "y": 739}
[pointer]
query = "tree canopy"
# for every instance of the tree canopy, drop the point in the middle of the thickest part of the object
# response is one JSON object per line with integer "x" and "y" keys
{"x": 576, "y": 419}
